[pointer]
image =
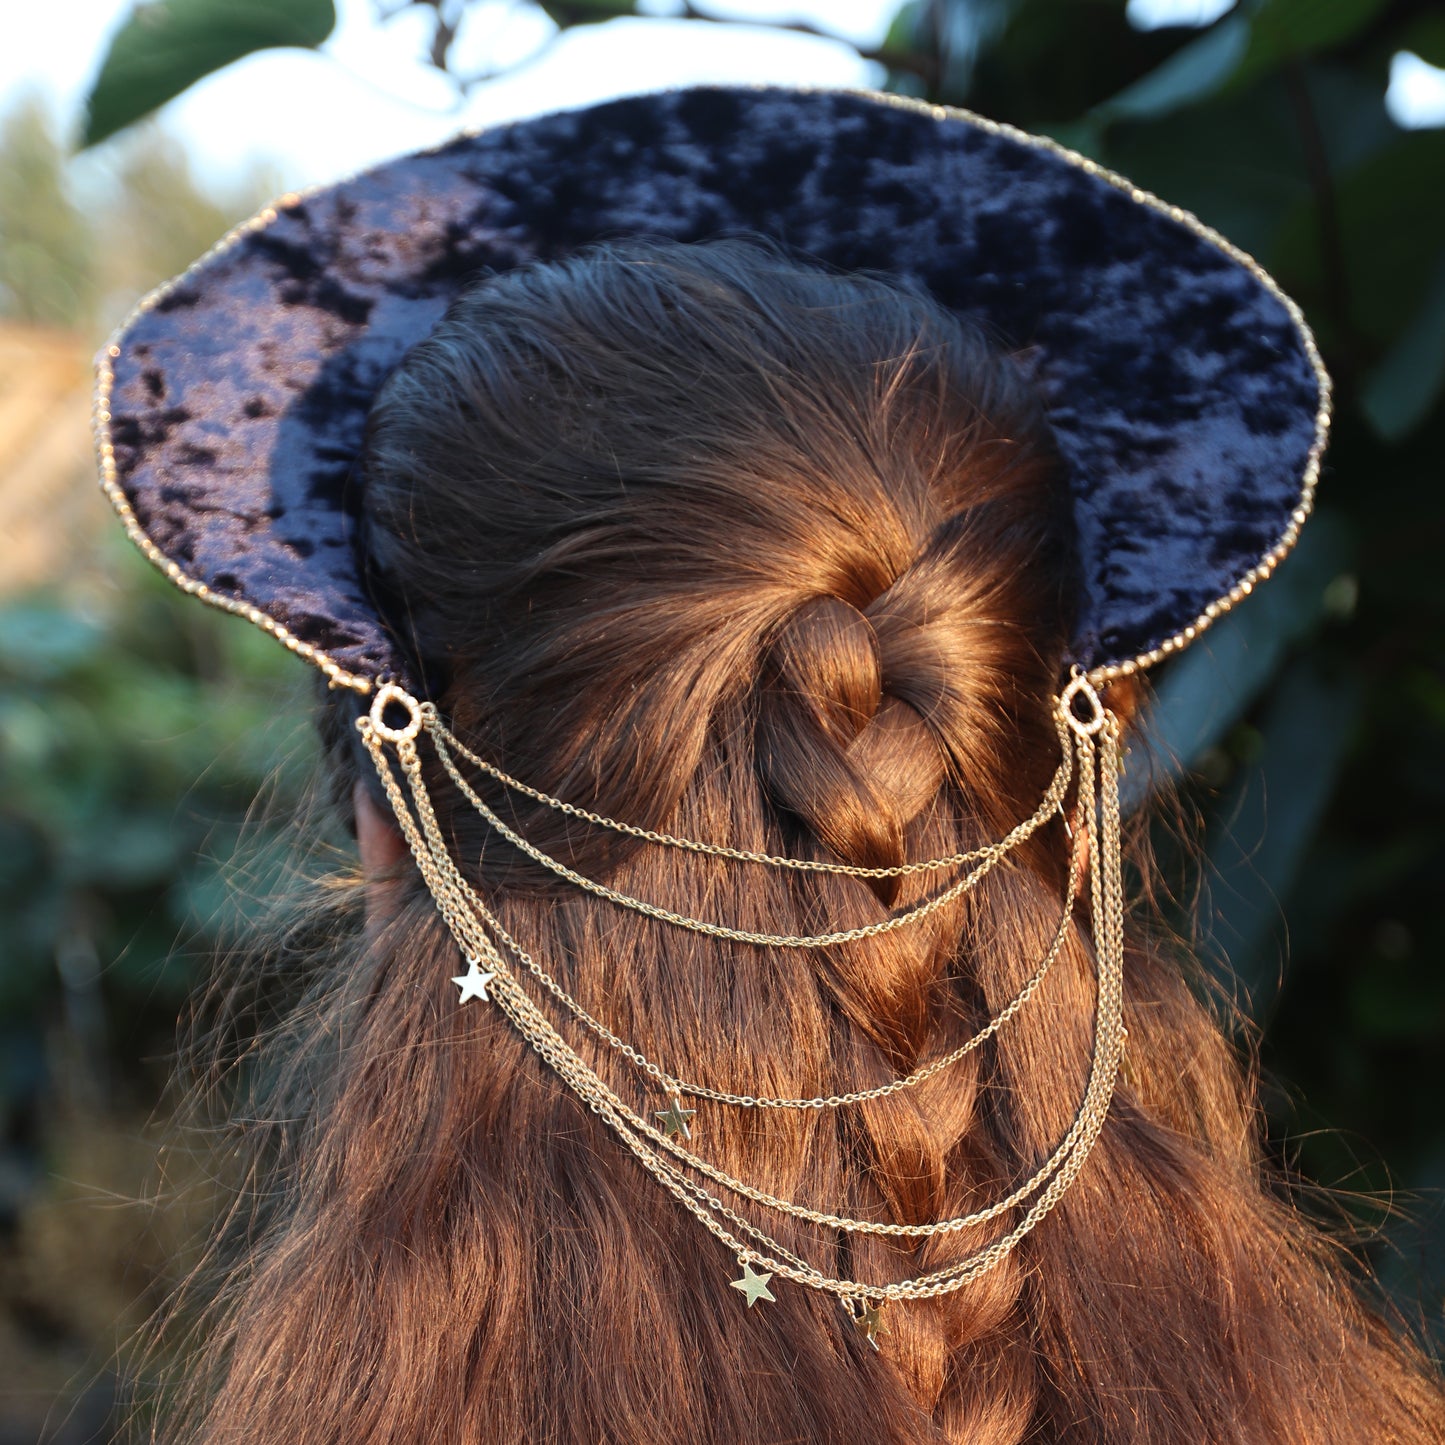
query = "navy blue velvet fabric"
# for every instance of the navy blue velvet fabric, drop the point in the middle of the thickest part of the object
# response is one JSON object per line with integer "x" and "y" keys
{"x": 1178, "y": 387}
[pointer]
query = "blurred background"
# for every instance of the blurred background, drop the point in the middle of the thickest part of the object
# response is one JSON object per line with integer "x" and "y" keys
{"x": 137, "y": 728}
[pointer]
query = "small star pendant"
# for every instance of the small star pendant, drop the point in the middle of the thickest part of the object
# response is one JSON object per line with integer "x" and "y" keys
{"x": 755, "y": 1286}
{"x": 869, "y": 1323}
{"x": 473, "y": 983}
{"x": 674, "y": 1120}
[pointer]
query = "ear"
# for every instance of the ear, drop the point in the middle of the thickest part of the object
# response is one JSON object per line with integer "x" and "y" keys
{"x": 381, "y": 844}
{"x": 382, "y": 848}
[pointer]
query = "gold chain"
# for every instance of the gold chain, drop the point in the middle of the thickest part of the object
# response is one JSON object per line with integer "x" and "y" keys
{"x": 476, "y": 943}
{"x": 674, "y": 1084}
{"x": 462, "y": 902}
{"x": 1057, "y": 788}
{"x": 469, "y": 921}
{"x": 989, "y": 857}
{"x": 681, "y": 1087}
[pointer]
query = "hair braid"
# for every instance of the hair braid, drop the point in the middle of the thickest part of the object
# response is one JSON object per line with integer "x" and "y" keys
{"x": 852, "y": 763}
{"x": 869, "y": 708}
{"x": 898, "y": 580}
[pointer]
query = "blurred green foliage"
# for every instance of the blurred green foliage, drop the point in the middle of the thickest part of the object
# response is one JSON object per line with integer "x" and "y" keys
{"x": 75, "y": 254}
{"x": 135, "y": 736}
{"x": 114, "y": 704}
{"x": 1310, "y": 724}
{"x": 134, "y": 740}
{"x": 45, "y": 241}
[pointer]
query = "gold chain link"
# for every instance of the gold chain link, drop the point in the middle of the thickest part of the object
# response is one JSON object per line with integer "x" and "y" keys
{"x": 674, "y": 1084}
{"x": 988, "y": 857}
{"x": 1053, "y": 797}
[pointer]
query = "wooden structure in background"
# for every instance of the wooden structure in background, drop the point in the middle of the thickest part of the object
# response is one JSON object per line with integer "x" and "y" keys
{"x": 49, "y": 504}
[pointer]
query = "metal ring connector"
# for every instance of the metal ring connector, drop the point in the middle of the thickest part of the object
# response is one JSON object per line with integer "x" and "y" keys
{"x": 389, "y": 695}
{"x": 1085, "y": 727}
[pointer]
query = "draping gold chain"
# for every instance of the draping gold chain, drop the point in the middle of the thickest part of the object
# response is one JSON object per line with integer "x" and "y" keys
{"x": 440, "y": 872}
{"x": 988, "y": 857}
{"x": 677, "y": 1085}
{"x": 469, "y": 921}
{"x": 1053, "y": 797}
{"x": 472, "y": 903}
{"x": 477, "y": 943}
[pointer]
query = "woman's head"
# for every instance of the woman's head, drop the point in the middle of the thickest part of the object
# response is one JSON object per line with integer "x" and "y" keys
{"x": 707, "y": 539}
{"x": 711, "y": 539}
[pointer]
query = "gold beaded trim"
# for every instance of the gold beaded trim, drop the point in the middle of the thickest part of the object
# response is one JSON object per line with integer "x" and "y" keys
{"x": 1264, "y": 568}
{"x": 338, "y": 676}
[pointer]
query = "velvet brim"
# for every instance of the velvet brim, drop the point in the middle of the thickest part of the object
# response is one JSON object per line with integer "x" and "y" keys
{"x": 1184, "y": 390}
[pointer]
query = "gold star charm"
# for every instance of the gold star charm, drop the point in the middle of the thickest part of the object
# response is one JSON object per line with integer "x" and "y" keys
{"x": 674, "y": 1120}
{"x": 869, "y": 1323}
{"x": 755, "y": 1286}
{"x": 473, "y": 983}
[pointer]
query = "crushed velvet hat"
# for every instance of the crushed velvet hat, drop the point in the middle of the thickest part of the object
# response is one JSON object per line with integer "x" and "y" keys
{"x": 1184, "y": 389}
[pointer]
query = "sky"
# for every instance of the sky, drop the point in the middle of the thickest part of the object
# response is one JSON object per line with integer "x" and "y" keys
{"x": 320, "y": 116}
{"x": 315, "y": 117}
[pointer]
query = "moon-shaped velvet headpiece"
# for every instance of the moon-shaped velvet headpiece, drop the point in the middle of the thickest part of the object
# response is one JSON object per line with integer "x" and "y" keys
{"x": 1184, "y": 389}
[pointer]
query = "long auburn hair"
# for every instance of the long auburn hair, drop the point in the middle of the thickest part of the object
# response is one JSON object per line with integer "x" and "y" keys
{"x": 705, "y": 538}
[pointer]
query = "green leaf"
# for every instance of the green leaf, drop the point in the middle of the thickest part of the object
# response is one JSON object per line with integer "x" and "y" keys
{"x": 1388, "y": 215}
{"x": 567, "y": 13}
{"x": 1083, "y": 136}
{"x": 1238, "y": 50}
{"x": 1425, "y": 37}
{"x": 165, "y": 46}
{"x": 1400, "y": 392}
{"x": 1236, "y": 160}
{"x": 1044, "y": 65}
{"x": 1193, "y": 73}
{"x": 1282, "y": 29}
{"x": 125, "y": 852}
{"x": 1233, "y": 161}
{"x": 45, "y": 641}
{"x": 906, "y": 26}
{"x": 1208, "y": 689}
{"x": 1274, "y": 816}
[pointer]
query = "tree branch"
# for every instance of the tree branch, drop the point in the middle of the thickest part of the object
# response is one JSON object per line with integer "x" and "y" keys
{"x": 444, "y": 31}
{"x": 911, "y": 62}
{"x": 926, "y": 68}
{"x": 1317, "y": 165}
{"x": 467, "y": 83}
